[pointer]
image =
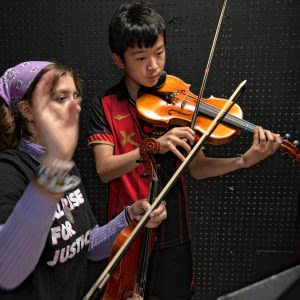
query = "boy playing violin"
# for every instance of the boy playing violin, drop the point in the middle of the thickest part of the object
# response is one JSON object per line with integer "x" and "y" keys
{"x": 137, "y": 40}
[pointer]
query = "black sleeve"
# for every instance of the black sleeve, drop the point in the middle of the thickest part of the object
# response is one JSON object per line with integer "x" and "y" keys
{"x": 97, "y": 121}
{"x": 16, "y": 173}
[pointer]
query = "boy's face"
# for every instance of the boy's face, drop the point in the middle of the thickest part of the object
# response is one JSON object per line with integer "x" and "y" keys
{"x": 143, "y": 66}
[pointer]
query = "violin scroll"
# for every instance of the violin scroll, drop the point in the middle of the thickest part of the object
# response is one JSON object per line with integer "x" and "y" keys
{"x": 148, "y": 148}
{"x": 290, "y": 148}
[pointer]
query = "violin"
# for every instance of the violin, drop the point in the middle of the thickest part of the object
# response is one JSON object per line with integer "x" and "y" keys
{"x": 129, "y": 276}
{"x": 173, "y": 104}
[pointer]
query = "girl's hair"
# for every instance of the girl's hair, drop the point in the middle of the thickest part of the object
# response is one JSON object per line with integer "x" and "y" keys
{"x": 135, "y": 23}
{"x": 7, "y": 126}
{"x": 12, "y": 126}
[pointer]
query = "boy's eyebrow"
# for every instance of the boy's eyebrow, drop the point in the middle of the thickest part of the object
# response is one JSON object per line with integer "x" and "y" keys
{"x": 142, "y": 50}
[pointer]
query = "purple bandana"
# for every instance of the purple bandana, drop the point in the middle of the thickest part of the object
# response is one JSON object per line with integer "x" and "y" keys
{"x": 15, "y": 81}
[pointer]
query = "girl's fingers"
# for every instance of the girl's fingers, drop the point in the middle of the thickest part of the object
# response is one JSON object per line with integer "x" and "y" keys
{"x": 41, "y": 94}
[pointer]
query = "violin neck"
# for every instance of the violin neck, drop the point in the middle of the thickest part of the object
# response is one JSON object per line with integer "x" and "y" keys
{"x": 228, "y": 119}
{"x": 286, "y": 146}
{"x": 145, "y": 253}
{"x": 146, "y": 245}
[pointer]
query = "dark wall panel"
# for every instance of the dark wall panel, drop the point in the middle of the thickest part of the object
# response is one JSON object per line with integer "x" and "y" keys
{"x": 245, "y": 223}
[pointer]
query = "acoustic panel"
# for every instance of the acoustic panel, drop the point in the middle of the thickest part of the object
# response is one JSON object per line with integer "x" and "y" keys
{"x": 233, "y": 217}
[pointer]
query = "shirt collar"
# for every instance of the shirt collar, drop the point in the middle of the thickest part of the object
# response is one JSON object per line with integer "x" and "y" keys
{"x": 34, "y": 150}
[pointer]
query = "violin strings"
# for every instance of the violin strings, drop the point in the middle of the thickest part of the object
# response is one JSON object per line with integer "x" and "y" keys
{"x": 146, "y": 243}
{"x": 211, "y": 111}
{"x": 145, "y": 260}
{"x": 230, "y": 119}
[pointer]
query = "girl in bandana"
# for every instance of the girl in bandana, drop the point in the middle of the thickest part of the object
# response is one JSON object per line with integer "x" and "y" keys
{"x": 47, "y": 230}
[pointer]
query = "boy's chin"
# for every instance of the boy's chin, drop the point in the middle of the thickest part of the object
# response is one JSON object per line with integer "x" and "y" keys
{"x": 156, "y": 84}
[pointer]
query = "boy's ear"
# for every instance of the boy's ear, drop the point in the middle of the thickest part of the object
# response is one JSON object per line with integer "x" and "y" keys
{"x": 118, "y": 60}
{"x": 25, "y": 110}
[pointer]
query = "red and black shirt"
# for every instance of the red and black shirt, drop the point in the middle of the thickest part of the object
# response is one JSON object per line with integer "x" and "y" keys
{"x": 114, "y": 121}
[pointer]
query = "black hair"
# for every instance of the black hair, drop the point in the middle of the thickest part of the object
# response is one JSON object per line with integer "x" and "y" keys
{"x": 135, "y": 23}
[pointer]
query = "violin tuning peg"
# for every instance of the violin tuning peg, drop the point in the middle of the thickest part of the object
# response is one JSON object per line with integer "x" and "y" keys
{"x": 296, "y": 143}
{"x": 287, "y": 136}
{"x": 140, "y": 161}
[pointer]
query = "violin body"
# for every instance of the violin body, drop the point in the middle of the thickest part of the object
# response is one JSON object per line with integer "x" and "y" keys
{"x": 173, "y": 104}
{"x": 121, "y": 283}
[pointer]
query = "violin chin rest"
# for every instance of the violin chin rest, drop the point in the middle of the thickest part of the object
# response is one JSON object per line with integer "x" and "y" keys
{"x": 161, "y": 80}
{"x": 159, "y": 84}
